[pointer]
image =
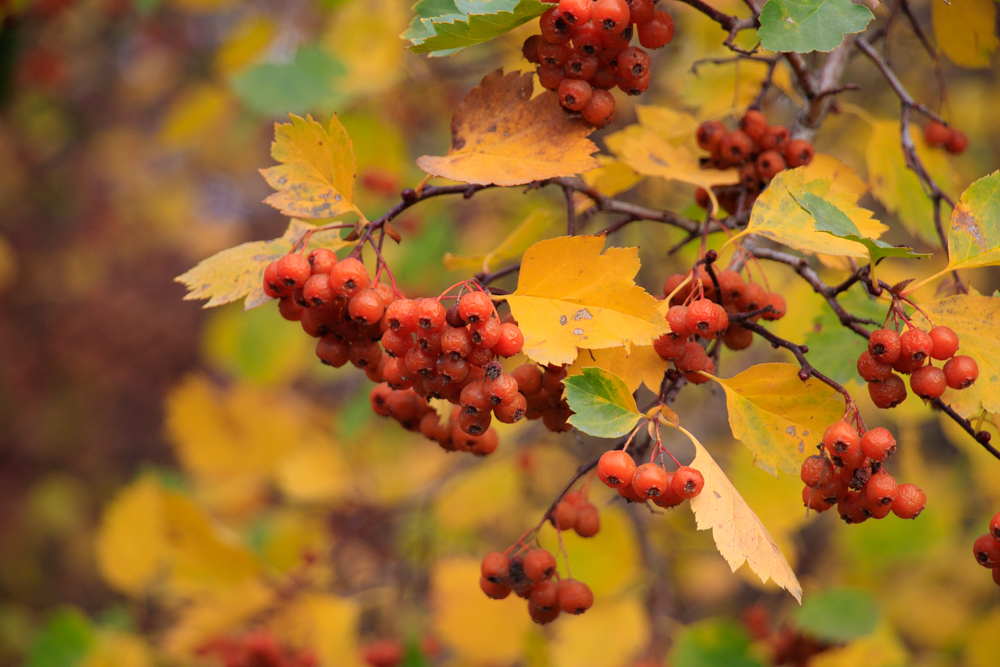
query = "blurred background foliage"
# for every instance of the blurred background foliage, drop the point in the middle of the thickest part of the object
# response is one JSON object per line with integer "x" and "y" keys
{"x": 169, "y": 474}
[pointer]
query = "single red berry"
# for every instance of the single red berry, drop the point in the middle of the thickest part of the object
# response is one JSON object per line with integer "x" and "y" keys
{"x": 600, "y": 110}
{"x": 641, "y": 11}
{"x": 564, "y": 516}
{"x": 778, "y": 306}
{"x": 545, "y": 595}
{"x": 928, "y": 382}
{"x": 701, "y": 318}
{"x": 987, "y": 551}
{"x": 539, "y": 565}
{"x": 290, "y": 309}
{"x": 851, "y": 508}
{"x": 456, "y": 342}
{"x": 348, "y": 277}
{"x": 798, "y": 153}
{"x": 936, "y": 134}
{"x": 907, "y": 365}
{"x": 587, "y": 38}
{"x": 709, "y": 136}
{"x": 961, "y": 371}
{"x": 322, "y": 260}
{"x": 383, "y": 653}
{"x": 687, "y": 482}
{"x": 611, "y": 16}
{"x": 614, "y": 42}
{"x": 694, "y": 358}
{"x": 872, "y": 370}
{"x": 737, "y": 338}
{"x": 775, "y": 138}
{"x": 995, "y": 526}
{"x": 633, "y": 86}
{"x": 945, "y": 343}
{"x": 365, "y": 307}
{"x": 605, "y": 78}
{"x": 915, "y": 345}
{"x": 401, "y": 316}
{"x": 814, "y": 500}
{"x": 588, "y": 520}
{"x": 513, "y": 411}
{"x": 731, "y": 284}
{"x": 878, "y": 444}
{"x": 550, "y": 76}
{"x": 753, "y": 123}
{"x": 582, "y": 66}
{"x": 574, "y": 94}
{"x": 888, "y": 393}
{"x": 677, "y": 321}
{"x": 510, "y": 342}
{"x": 529, "y": 379}
{"x": 429, "y": 314}
{"x": 542, "y": 616}
{"x": 576, "y": 12}
{"x": 669, "y": 348}
{"x": 475, "y": 307}
{"x": 553, "y": 55}
{"x": 769, "y": 164}
{"x": 274, "y": 286}
{"x": 843, "y": 443}
{"x": 332, "y": 351}
{"x": 649, "y": 480}
{"x": 494, "y": 590}
{"x": 633, "y": 63}
{"x": 816, "y": 470}
{"x": 574, "y": 596}
{"x": 872, "y": 508}
{"x": 616, "y": 468}
{"x": 480, "y": 356}
{"x": 884, "y": 345}
{"x": 754, "y": 297}
{"x": 502, "y": 389}
{"x": 495, "y": 566}
{"x": 486, "y": 334}
{"x": 293, "y": 270}
{"x": 530, "y": 49}
{"x": 910, "y": 501}
{"x": 554, "y": 27}
{"x": 957, "y": 142}
{"x": 657, "y": 32}
{"x": 735, "y": 147}
{"x": 881, "y": 488}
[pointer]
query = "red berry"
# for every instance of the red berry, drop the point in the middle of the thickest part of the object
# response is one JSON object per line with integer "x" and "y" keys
{"x": 580, "y": 65}
{"x": 542, "y": 616}
{"x": 495, "y": 566}
{"x": 915, "y": 345}
{"x": 843, "y": 443}
{"x": 753, "y": 123}
{"x": 633, "y": 86}
{"x": 401, "y": 316}
{"x": 775, "y": 138}
{"x": 365, "y": 307}
{"x": 576, "y": 12}
{"x": 539, "y": 565}
{"x": 605, "y": 78}
{"x": 945, "y": 343}
{"x": 587, "y": 38}
{"x": 813, "y": 499}
{"x": 486, "y": 334}
{"x": 383, "y": 653}
{"x": 669, "y": 348}
{"x": 574, "y": 596}
{"x": 709, "y": 136}
{"x": 936, "y": 134}
{"x": 553, "y": 54}
{"x": 778, "y": 306}
{"x": 701, "y": 318}
{"x": 851, "y": 508}
{"x": 274, "y": 286}
{"x": 349, "y": 277}
{"x": 502, "y": 389}
{"x": 957, "y": 142}
{"x": 881, "y": 489}
{"x": 798, "y": 153}
{"x": 510, "y": 342}
{"x": 513, "y": 411}
{"x": 687, "y": 482}
{"x": 611, "y": 16}
{"x": 529, "y": 379}
{"x": 769, "y": 164}
{"x": 429, "y": 314}
{"x": 656, "y": 32}
{"x": 290, "y": 309}
{"x": 928, "y": 382}
{"x": 600, "y": 110}
{"x": 995, "y": 526}
{"x": 615, "y": 468}
{"x": 649, "y": 480}
{"x": 888, "y": 393}
{"x": 494, "y": 590}
{"x": 332, "y": 351}
{"x": 694, "y": 358}
{"x": 475, "y": 307}
{"x": 293, "y": 270}
{"x": 737, "y": 338}
{"x": 878, "y": 444}
{"x": 816, "y": 470}
{"x": 872, "y": 370}
{"x": 987, "y": 551}
{"x": 735, "y": 147}
{"x": 633, "y": 63}
{"x": 322, "y": 260}
{"x": 574, "y": 94}
{"x": 550, "y": 76}
{"x": 545, "y": 596}
{"x": 614, "y": 42}
{"x": 961, "y": 372}
{"x": 641, "y": 11}
{"x": 677, "y": 321}
{"x": 910, "y": 501}
{"x": 872, "y": 508}
{"x": 530, "y": 49}
{"x": 884, "y": 345}
{"x": 554, "y": 27}
{"x": 588, "y": 521}
{"x": 564, "y": 516}
{"x": 753, "y": 298}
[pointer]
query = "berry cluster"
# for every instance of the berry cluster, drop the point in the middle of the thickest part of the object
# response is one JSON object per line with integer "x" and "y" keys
{"x": 415, "y": 347}
{"x": 648, "y": 481}
{"x": 575, "y": 512}
{"x": 258, "y": 649}
{"x": 543, "y": 392}
{"x": 849, "y": 473}
{"x": 531, "y": 578}
{"x": 760, "y": 151}
{"x": 583, "y": 52}
{"x": 987, "y": 548}
{"x": 889, "y": 351}
{"x": 696, "y": 310}
{"x": 938, "y": 136}
{"x": 788, "y": 644}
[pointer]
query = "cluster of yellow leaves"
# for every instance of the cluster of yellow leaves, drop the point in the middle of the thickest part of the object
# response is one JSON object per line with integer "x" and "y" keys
{"x": 569, "y": 295}
{"x": 501, "y": 136}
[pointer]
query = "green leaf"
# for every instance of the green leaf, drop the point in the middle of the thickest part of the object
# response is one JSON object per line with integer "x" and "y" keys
{"x": 809, "y": 25}
{"x": 444, "y": 27}
{"x": 714, "y": 643}
{"x": 63, "y": 642}
{"x": 602, "y": 403}
{"x": 832, "y": 220}
{"x": 839, "y": 614}
{"x": 833, "y": 348}
{"x": 974, "y": 234}
{"x": 307, "y": 84}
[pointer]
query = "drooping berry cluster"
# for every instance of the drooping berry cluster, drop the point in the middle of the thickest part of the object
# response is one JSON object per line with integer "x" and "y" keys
{"x": 531, "y": 577}
{"x": 849, "y": 473}
{"x": 574, "y": 512}
{"x": 908, "y": 353}
{"x": 257, "y": 649}
{"x": 414, "y": 414}
{"x": 583, "y": 52}
{"x": 706, "y": 316}
{"x": 543, "y": 393}
{"x": 942, "y": 136}
{"x": 987, "y": 548}
{"x": 760, "y": 151}
{"x": 648, "y": 481}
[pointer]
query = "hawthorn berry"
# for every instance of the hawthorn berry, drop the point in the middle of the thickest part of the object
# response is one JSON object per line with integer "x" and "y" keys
{"x": 348, "y": 277}
{"x": 555, "y": 29}
{"x": 737, "y": 338}
{"x": 575, "y": 12}
{"x": 545, "y": 595}
{"x": 332, "y": 351}
{"x": 273, "y": 285}
{"x": 530, "y": 49}
{"x": 936, "y": 134}
{"x": 769, "y": 164}
{"x": 550, "y": 76}
{"x": 574, "y": 596}
{"x": 542, "y": 616}
{"x": 616, "y": 468}
{"x": 657, "y": 32}
{"x": 878, "y": 444}
{"x": 649, "y": 480}
{"x": 293, "y": 270}
{"x": 587, "y": 38}
{"x": 961, "y": 371}
{"x": 496, "y": 590}
{"x": 915, "y": 345}
{"x": 995, "y": 526}
{"x": 669, "y": 348}
{"x": 987, "y": 551}
{"x": 735, "y": 147}
{"x": 753, "y": 298}
{"x": 843, "y": 443}
{"x": 709, "y": 135}
{"x": 321, "y": 260}
{"x": 816, "y": 470}
{"x": 872, "y": 508}
{"x": 574, "y": 94}
{"x": 945, "y": 342}
{"x": 851, "y": 508}
{"x": 888, "y": 393}
{"x": 775, "y": 138}
{"x": 885, "y": 345}
{"x": 928, "y": 382}
{"x": 588, "y": 520}
{"x": 814, "y": 500}
{"x": 798, "y": 153}
{"x": 365, "y": 307}
{"x": 529, "y": 378}
{"x": 633, "y": 63}
{"x": 701, "y": 318}
{"x": 539, "y": 565}
{"x": 687, "y": 482}
{"x": 753, "y": 123}
{"x": 290, "y": 309}
{"x": 641, "y": 11}
{"x": 611, "y": 16}
{"x": 600, "y": 110}
{"x": 564, "y": 516}
{"x": 778, "y": 307}
{"x": 495, "y": 566}
{"x": 910, "y": 501}
{"x": 881, "y": 488}
{"x": 957, "y": 142}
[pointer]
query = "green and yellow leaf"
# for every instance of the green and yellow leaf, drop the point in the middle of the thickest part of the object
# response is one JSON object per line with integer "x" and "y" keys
{"x": 640, "y": 365}
{"x": 602, "y": 403}
{"x": 974, "y": 234}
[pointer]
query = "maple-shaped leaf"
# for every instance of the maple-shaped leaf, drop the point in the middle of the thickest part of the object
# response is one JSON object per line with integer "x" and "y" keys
{"x": 238, "y": 272}
{"x": 974, "y": 233}
{"x": 777, "y": 215}
{"x": 976, "y": 320}
{"x": 778, "y": 416}
{"x": 501, "y": 136}
{"x": 316, "y": 176}
{"x": 809, "y": 25}
{"x": 571, "y": 296}
{"x": 739, "y": 535}
{"x": 635, "y": 366}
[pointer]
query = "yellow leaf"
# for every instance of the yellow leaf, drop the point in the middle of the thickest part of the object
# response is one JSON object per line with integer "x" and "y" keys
{"x": 974, "y": 233}
{"x": 778, "y": 416}
{"x": 130, "y": 545}
{"x": 983, "y": 642}
{"x": 842, "y": 177}
{"x": 326, "y": 624}
{"x": 483, "y": 496}
{"x": 640, "y": 365}
{"x": 364, "y": 35}
{"x": 315, "y": 472}
{"x": 976, "y": 320}
{"x": 239, "y": 272}
{"x": 879, "y": 649}
{"x": 586, "y": 640}
{"x": 715, "y": 90}
{"x": 963, "y": 29}
{"x": 897, "y": 187}
{"x": 316, "y": 177}
{"x": 512, "y": 247}
{"x": 498, "y": 633}
{"x": 668, "y": 123}
{"x": 199, "y": 111}
{"x": 571, "y": 296}
{"x": 244, "y": 43}
{"x": 779, "y": 217}
{"x": 500, "y": 135}
{"x": 215, "y": 613}
{"x": 113, "y": 648}
{"x": 739, "y": 534}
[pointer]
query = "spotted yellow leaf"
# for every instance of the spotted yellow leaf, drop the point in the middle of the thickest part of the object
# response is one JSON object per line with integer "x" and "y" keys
{"x": 636, "y": 366}
{"x": 569, "y": 295}
{"x": 974, "y": 234}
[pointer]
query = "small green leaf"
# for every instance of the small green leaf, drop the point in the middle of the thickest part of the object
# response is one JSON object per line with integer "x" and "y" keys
{"x": 809, "y": 25}
{"x": 63, "y": 642}
{"x": 444, "y": 27}
{"x": 839, "y": 614}
{"x": 835, "y": 222}
{"x": 833, "y": 348}
{"x": 714, "y": 643}
{"x": 307, "y": 84}
{"x": 602, "y": 403}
